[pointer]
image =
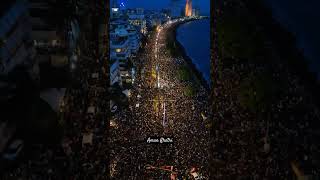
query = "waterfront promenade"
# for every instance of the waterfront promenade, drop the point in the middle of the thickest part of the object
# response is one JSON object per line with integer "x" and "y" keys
{"x": 160, "y": 106}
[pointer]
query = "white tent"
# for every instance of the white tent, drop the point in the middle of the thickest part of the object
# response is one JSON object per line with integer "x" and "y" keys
{"x": 54, "y": 97}
{"x": 59, "y": 60}
{"x": 91, "y": 110}
{"x": 95, "y": 75}
{"x": 127, "y": 92}
{"x": 266, "y": 147}
{"x": 87, "y": 138}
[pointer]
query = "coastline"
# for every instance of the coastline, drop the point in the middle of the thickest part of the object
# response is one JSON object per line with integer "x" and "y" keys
{"x": 182, "y": 51}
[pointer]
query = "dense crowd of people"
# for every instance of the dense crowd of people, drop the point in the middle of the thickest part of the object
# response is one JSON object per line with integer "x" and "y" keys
{"x": 161, "y": 111}
{"x": 245, "y": 145}
{"x": 275, "y": 143}
{"x": 82, "y": 153}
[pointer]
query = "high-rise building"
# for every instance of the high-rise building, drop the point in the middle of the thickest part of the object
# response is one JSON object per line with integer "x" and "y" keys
{"x": 124, "y": 42}
{"x": 115, "y": 9}
{"x": 193, "y": 12}
{"x": 197, "y": 11}
{"x": 137, "y": 18}
{"x": 188, "y": 11}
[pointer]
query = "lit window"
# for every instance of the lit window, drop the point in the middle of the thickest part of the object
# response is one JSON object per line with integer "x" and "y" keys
{"x": 118, "y": 50}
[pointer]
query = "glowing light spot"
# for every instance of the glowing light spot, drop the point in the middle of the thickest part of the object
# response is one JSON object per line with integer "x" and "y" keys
{"x": 188, "y": 10}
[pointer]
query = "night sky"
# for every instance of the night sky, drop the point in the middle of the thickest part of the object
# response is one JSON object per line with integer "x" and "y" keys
{"x": 204, "y": 5}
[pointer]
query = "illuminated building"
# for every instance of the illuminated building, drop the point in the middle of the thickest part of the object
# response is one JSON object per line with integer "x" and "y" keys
{"x": 197, "y": 12}
{"x": 188, "y": 11}
{"x": 124, "y": 42}
{"x": 137, "y": 18}
{"x": 115, "y": 10}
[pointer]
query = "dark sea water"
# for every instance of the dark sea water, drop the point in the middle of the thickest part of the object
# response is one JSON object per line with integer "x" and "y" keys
{"x": 302, "y": 18}
{"x": 195, "y": 38}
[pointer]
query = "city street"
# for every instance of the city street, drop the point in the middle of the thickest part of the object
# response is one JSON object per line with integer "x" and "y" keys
{"x": 159, "y": 107}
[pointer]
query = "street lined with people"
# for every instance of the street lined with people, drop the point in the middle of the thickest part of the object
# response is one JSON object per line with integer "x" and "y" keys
{"x": 164, "y": 111}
